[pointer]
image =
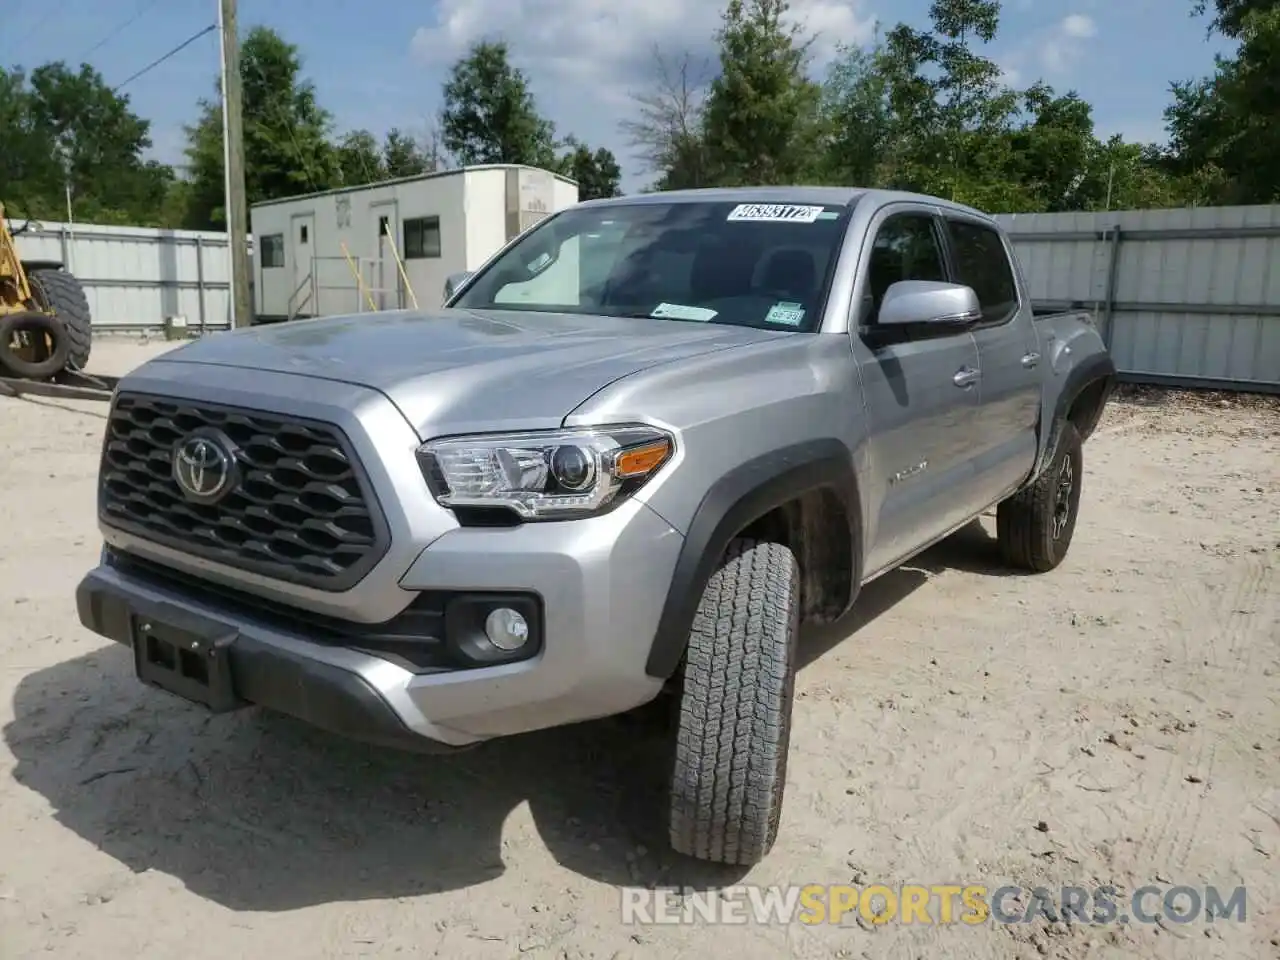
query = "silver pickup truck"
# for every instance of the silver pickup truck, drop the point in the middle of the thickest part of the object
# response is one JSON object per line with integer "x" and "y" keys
{"x": 627, "y": 458}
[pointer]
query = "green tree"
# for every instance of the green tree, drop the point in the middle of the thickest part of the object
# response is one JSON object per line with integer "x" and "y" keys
{"x": 952, "y": 112}
{"x": 402, "y": 157}
{"x": 489, "y": 112}
{"x": 667, "y": 127}
{"x": 597, "y": 172}
{"x": 286, "y": 133}
{"x": 63, "y": 128}
{"x": 761, "y": 119}
{"x": 1225, "y": 129}
{"x": 857, "y": 123}
{"x": 1231, "y": 16}
{"x": 359, "y": 158}
{"x": 1054, "y": 153}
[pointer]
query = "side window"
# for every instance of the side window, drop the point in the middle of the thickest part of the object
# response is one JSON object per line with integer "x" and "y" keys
{"x": 273, "y": 250}
{"x": 981, "y": 263}
{"x": 906, "y": 248}
{"x": 421, "y": 238}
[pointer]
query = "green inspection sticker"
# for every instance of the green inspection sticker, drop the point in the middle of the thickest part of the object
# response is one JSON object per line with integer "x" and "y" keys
{"x": 786, "y": 313}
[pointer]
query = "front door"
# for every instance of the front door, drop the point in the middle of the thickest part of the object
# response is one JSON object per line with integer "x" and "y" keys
{"x": 921, "y": 397}
{"x": 386, "y": 272}
{"x": 1009, "y": 356}
{"x": 302, "y": 227}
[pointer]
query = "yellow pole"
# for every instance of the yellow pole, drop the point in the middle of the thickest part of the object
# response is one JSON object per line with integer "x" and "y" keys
{"x": 403, "y": 276}
{"x": 355, "y": 272}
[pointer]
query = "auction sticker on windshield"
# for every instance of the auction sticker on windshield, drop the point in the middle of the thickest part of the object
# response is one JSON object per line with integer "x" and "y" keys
{"x": 775, "y": 213}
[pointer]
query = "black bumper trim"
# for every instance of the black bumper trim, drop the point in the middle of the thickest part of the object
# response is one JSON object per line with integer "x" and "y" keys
{"x": 318, "y": 693}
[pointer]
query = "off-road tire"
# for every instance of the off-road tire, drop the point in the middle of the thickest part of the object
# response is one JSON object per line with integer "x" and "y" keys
{"x": 36, "y": 325}
{"x": 737, "y": 685}
{"x": 61, "y": 294}
{"x": 1030, "y": 539}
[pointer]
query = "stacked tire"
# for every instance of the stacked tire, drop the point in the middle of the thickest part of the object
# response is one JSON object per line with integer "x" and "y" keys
{"x": 41, "y": 343}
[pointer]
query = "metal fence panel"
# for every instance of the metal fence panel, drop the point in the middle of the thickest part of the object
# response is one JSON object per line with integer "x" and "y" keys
{"x": 1182, "y": 296}
{"x": 137, "y": 277}
{"x": 1188, "y": 296}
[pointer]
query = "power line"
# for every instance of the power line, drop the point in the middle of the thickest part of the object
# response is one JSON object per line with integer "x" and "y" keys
{"x": 38, "y": 24}
{"x": 172, "y": 53}
{"x": 137, "y": 15}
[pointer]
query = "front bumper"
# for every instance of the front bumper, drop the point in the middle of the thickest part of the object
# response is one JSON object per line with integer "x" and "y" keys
{"x": 601, "y": 584}
{"x": 326, "y": 688}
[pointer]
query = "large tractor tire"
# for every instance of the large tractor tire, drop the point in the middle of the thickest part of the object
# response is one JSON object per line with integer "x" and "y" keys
{"x": 61, "y": 294}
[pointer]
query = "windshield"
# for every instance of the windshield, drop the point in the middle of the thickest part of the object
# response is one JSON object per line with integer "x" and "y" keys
{"x": 748, "y": 264}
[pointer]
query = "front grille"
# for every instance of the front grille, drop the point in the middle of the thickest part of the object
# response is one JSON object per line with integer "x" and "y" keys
{"x": 302, "y": 510}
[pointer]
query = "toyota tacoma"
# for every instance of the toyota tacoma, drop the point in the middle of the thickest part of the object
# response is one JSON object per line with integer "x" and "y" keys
{"x": 626, "y": 459}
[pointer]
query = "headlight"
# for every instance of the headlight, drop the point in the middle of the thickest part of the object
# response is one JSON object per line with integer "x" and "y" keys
{"x": 550, "y": 475}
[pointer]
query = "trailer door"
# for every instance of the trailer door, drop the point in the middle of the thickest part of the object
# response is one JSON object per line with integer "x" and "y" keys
{"x": 386, "y": 273}
{"x": 302, "y": 300}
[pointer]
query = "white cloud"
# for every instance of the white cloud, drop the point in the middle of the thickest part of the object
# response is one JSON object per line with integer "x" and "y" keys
{"x": 1051, "y": 52}
{"x": 611, "y": 41}
{"x": 586, "y": 57}
{"x": 1079, "y": 26}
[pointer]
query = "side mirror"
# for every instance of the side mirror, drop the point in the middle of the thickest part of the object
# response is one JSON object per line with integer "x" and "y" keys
{"x": 929, "y": 302}
{"x": 454, "y": 281}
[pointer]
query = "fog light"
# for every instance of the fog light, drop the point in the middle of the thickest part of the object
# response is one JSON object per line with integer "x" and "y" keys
{"x": 506, "y": 629}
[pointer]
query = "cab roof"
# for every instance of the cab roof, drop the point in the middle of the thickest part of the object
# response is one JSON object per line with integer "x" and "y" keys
{"x": 830, "y": 196}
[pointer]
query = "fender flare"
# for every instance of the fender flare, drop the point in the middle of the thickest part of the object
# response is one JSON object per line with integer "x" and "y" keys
{"x": 734, "y": 501}
{"x": 1079, "y": 378}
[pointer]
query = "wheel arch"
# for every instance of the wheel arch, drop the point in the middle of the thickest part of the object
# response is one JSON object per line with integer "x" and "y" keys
{"x": 1081, "y": 401}
{"x": 804, "y": 495}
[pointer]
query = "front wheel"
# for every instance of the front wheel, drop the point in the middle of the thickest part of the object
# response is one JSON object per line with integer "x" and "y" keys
{"x": 733, "y": 733}
{"x": 1036, "y": 524}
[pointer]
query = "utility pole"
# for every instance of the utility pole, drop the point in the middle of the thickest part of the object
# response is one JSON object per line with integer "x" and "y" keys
{"x": 233, "y": 161}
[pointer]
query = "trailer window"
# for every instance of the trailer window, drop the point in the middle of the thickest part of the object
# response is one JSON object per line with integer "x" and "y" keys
{"x": 272, "y": 250}
{"x": 421, "y": 238}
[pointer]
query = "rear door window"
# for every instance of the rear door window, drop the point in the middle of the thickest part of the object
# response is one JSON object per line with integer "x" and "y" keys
{"x": 982, "y": 263}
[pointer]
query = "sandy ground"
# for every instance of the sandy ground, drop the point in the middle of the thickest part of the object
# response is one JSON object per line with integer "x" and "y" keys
{"x": 1115, "y": 722}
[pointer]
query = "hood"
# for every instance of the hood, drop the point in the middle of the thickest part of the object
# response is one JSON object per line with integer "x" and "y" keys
{"x": 464, "y": 370}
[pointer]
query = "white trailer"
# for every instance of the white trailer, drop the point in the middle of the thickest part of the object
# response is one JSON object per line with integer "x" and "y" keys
{"x": 310, "y": 249}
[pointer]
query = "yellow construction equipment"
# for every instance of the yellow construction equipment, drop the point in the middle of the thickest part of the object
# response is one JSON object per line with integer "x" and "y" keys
{"x": 45, "y": 325}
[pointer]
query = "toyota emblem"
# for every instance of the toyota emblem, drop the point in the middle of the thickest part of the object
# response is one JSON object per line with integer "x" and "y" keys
{"x": 204, "y": 466}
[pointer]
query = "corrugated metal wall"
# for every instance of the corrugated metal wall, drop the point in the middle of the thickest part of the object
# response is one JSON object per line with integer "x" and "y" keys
{"x": 1183, "y": 296}
{"x": 1186, "y": 296}
{"x": 136, "y": 277}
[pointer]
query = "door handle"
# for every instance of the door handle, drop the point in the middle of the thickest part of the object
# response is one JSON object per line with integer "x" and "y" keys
{"x": 966, "y": 377}
{"x": 1030, "y": 360}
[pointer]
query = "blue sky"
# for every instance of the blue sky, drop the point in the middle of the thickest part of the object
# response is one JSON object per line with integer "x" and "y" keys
{"x": 380, "y": 63}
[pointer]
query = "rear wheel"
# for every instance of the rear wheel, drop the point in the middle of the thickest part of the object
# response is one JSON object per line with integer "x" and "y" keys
{"x": 61, "y": 294}
{"x": 733, "y": 733}
{"x": 1035, "y": 525}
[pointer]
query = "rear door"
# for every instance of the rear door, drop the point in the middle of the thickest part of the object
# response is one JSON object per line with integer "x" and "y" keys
{"x": 920, "y": 394}
{"x": 1008, "y": 354}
